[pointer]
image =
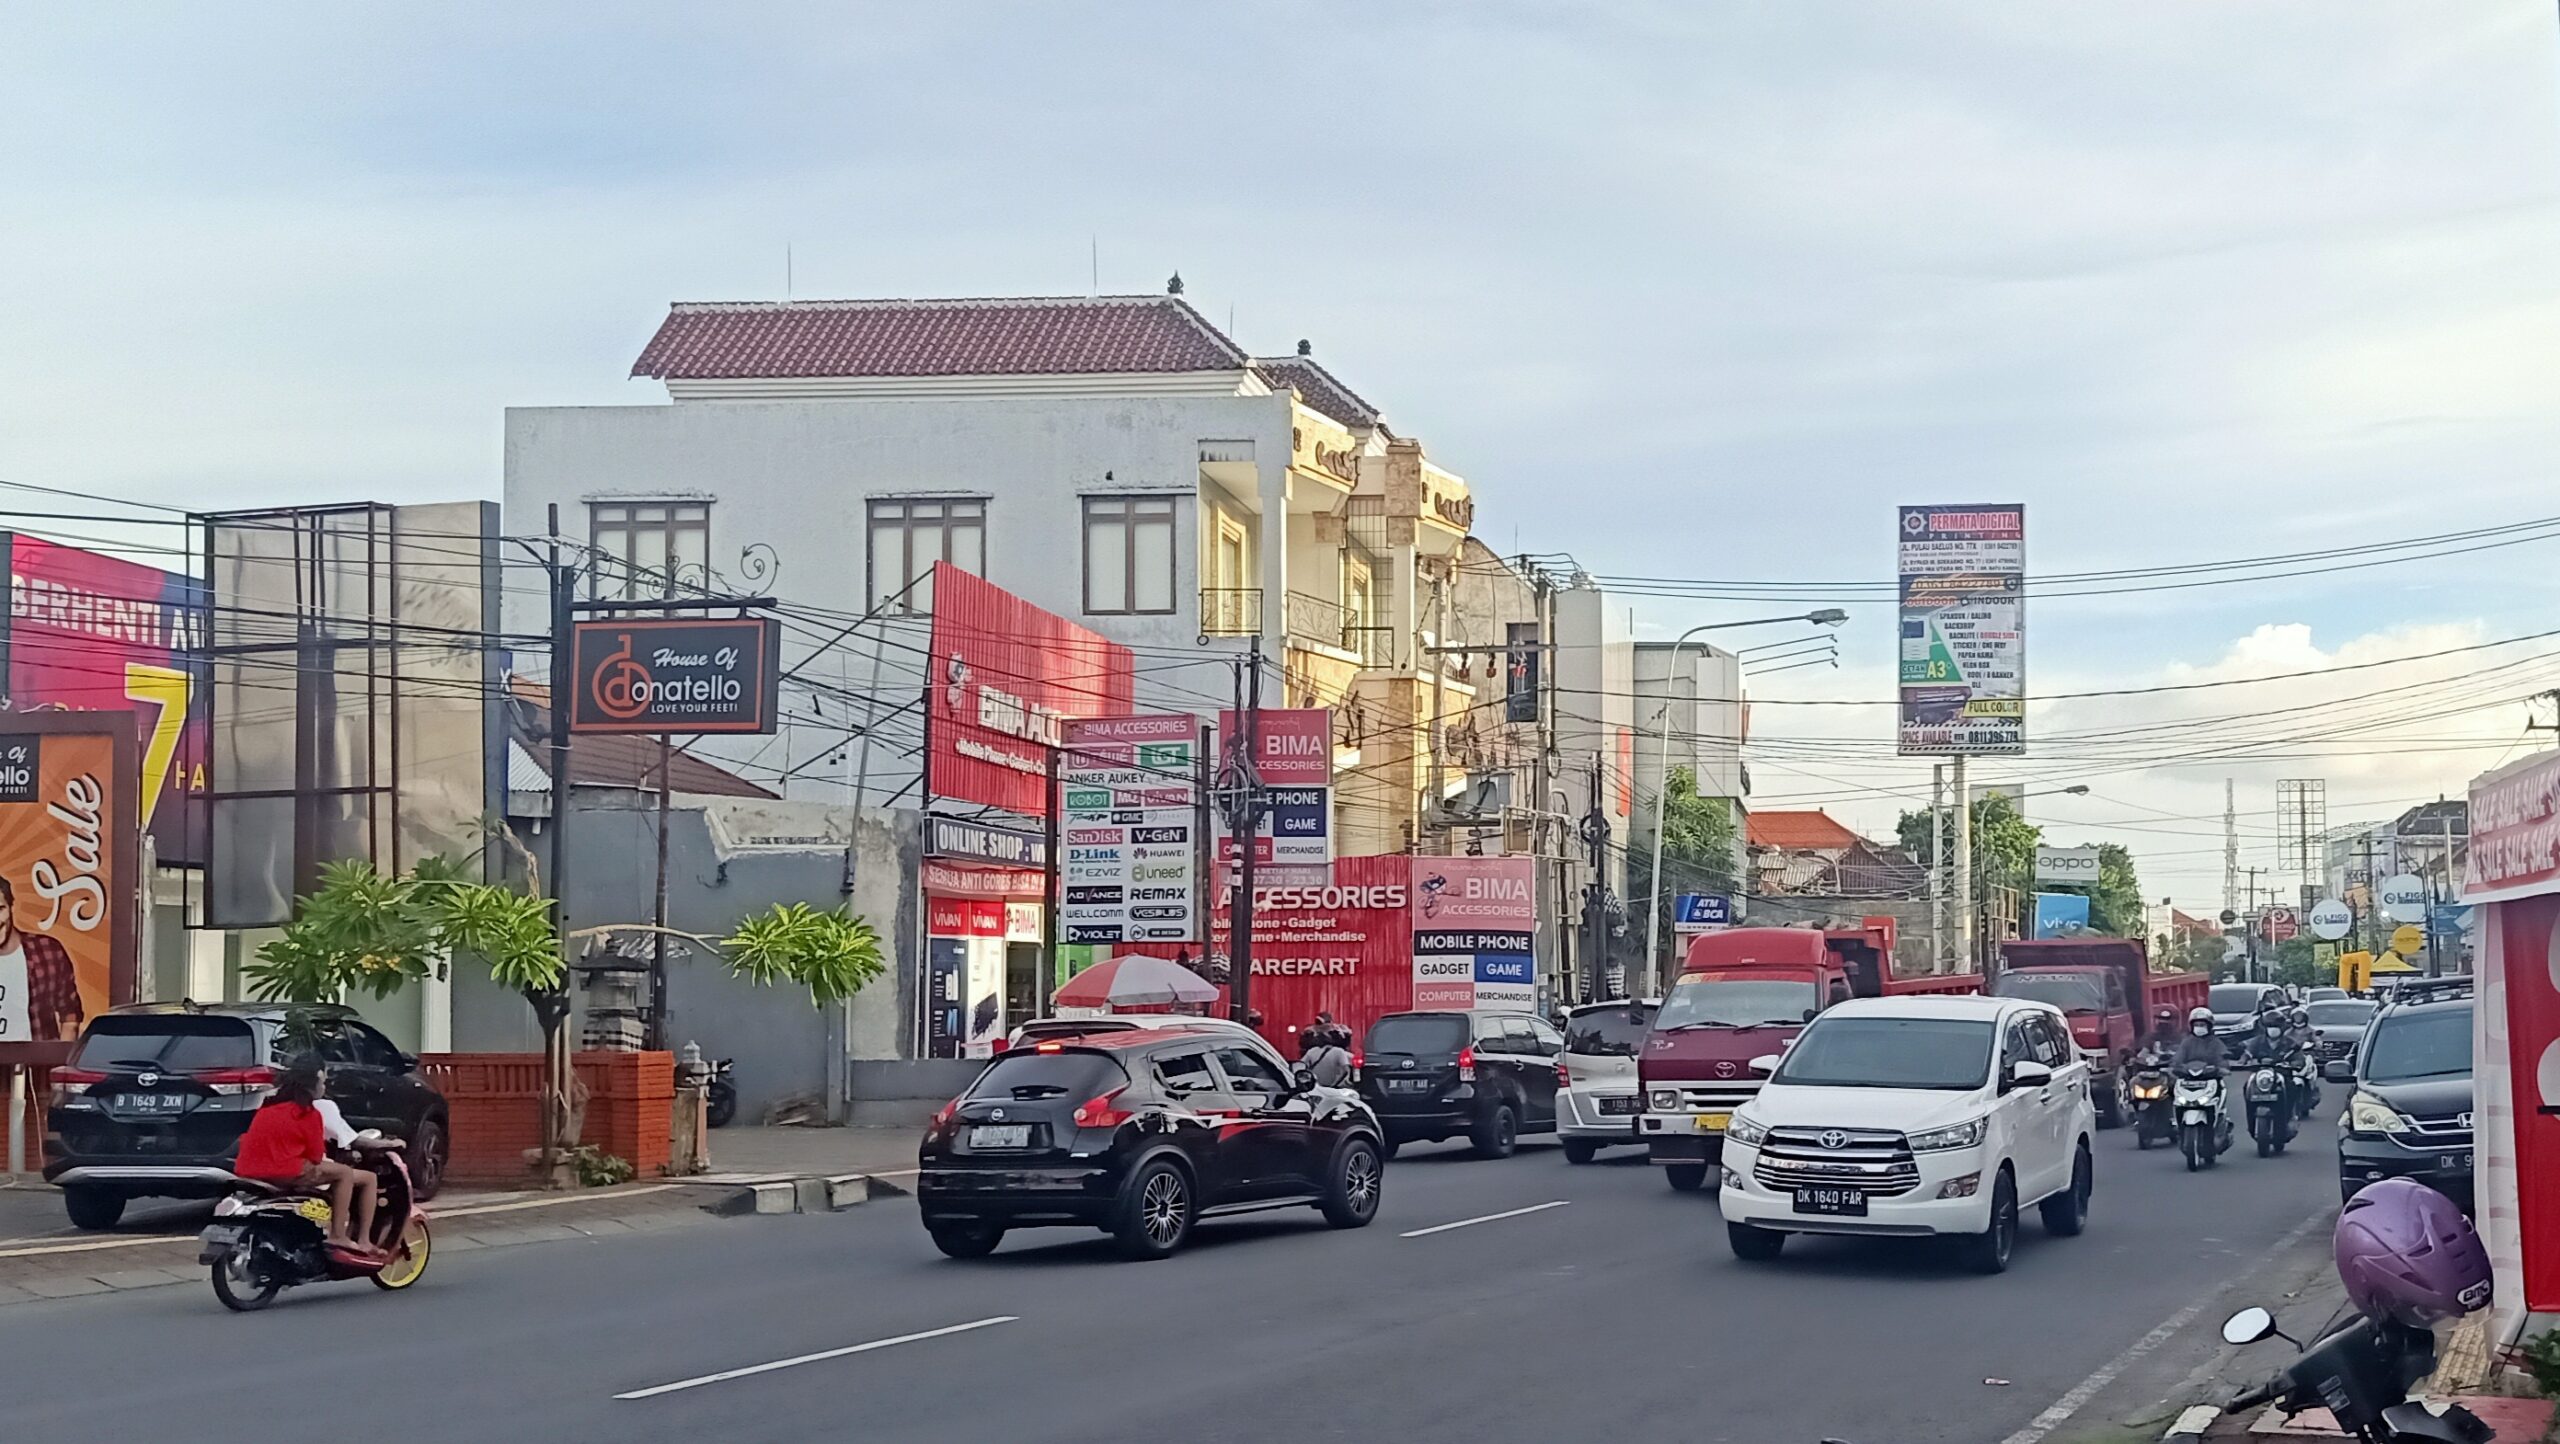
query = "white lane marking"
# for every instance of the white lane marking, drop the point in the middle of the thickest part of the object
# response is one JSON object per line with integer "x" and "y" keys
{"x": 1488, "y": 1218}
{"x": 792, "y": 1363}
{"x": 2061, "y": 1410}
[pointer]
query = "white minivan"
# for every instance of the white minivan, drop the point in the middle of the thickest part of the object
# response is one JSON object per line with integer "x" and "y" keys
{"x": 1914, "y": 1117}
{"x": 1597, "y": 1100}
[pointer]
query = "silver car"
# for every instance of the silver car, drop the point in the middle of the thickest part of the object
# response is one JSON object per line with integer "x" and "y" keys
{"x": 1597, "y": 1101}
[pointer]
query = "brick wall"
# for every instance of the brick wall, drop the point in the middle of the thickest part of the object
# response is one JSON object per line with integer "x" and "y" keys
{"x": 496, "y": 1108}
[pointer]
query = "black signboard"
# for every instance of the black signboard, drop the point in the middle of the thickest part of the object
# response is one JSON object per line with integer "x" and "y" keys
{"x": 675, "y": 675}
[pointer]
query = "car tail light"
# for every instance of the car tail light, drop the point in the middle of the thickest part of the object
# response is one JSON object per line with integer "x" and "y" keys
{"x": 1564, "y": 1074}
{"x": 1102, "y": 1112}
{"x": 999, "y": 1045}
{"x": 1355, "y": 1063}
{"x": 237, "y": 1080}
{"x": 944, "y": 1116}
{"x": 1466, "y": 1065}
{"x": 67, "y": 1081}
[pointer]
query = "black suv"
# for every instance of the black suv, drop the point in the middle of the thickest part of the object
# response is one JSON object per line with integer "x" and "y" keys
{"x": 1489, "y": 1075}
{"x": 156, "y": 1096}
{"x": 2410, "y": 1114}
{"x": 1142, "y": 1134}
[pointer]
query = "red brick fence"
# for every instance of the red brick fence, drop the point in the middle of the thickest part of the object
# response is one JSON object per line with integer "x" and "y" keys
{"x": 495, "y": 1100}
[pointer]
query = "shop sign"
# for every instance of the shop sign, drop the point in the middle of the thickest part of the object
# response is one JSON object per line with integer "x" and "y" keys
{"x": 69, "y": 868}
{"x": 1127, "y": 815}
{"x": 976, "y": 841}
{"x": 1004, "y": 678}
{"x": 1294, "y": 760}
{"x": 675, "y": 675}
{"x": 1964, "y": 668}
{"x": 1473, "y": 922}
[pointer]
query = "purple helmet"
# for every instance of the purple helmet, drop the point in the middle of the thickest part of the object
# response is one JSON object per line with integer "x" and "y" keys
{"x": 2405, "y": 1252}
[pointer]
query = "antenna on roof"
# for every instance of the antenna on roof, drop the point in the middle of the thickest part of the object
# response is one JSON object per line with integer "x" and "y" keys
{"x": 786, "y": 270}
{"x": 1174, "y": 287}
{"x": 1097, "y": 265}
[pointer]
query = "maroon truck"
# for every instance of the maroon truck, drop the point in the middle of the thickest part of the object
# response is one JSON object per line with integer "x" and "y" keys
{"x": 2105, "y": 986}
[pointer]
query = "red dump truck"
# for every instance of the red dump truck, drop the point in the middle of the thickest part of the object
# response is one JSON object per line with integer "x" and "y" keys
{"x": 1743, "y": 993}
{"x": 2105, "y": 986}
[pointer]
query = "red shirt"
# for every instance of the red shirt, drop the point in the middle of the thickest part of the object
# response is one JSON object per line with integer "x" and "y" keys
{"x": 282, "y": 1137}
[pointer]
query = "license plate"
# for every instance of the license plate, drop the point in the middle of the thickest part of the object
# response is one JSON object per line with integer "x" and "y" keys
{"x": 150, "y": 1102}
{"x": 1839, "y": 1202}
{"x": 1712, "y": 1122}
{"x": 1000, "y": 1135}
{"x": 2193, "y": 1115}
{"x": 1626, "y": 1105}
{"x": 1407, "y": 1085}
{"x": 2460, "y": 1163}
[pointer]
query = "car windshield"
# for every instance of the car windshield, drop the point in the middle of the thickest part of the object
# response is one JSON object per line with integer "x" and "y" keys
{"x": 2346, "y": 1012}
{"x": 1711, "y": 1001}
{"x": 1419, "y": 1033}
{"x": 2235, "y": 997}
{"x": 1943, "y": 1053}
{"x": 1031, "y": 1075}
{"x": 2071, "y": 992}
{"x": 175, "y": 1044}
{"x": 2435, "y": 1043}
{"x": 1614, "y": 1032}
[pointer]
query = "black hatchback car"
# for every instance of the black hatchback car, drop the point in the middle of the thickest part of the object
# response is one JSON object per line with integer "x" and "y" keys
{"x": 1488, "y": 1076}
{"x": 2410, "y": 1114}
{"x": 1142, "y": 1134}
{"x": 156, "y": 1095}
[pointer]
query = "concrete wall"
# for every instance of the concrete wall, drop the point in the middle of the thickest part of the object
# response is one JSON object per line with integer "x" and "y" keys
{"x": 1594, "y": 661}
{"x": 795, "y": 475}
{"x": 1704, "y": 722}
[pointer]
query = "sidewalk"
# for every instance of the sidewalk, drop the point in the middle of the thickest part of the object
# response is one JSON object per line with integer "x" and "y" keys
{"x": 807, "y": 1170}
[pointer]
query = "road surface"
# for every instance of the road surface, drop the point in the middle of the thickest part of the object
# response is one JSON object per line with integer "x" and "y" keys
{"x": 1587, "y": 1303}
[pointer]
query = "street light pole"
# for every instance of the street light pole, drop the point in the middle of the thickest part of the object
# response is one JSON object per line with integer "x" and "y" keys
{"x": 1827, "y": 617}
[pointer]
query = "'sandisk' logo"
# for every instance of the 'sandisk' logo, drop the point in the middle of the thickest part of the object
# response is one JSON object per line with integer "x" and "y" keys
{"x": 620, "y": 687}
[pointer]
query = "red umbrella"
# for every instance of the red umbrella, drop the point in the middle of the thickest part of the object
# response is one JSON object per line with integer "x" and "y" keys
{"x": 1131, "y": 982}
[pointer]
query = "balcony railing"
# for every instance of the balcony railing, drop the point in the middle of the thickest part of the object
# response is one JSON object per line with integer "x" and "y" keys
{"x": 1230, "y": 611}
{"x": 1329, "y": 623}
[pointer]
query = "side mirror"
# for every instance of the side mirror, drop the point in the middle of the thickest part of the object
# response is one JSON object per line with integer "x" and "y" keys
{"x": 405, "y": 1062}
{"x": 2248, "y": 1326}
{"x": 1766, "y": 1063}
{"x": 2027, "y": 1073}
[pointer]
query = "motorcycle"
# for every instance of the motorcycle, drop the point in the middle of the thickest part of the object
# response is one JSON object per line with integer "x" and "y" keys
{"x": 2204, "y": 1129}
{"x": 2361, "y": 1373}
{"x": 2269, "y": 1096}
{"x": 264, "y": 1240}
{"x": 2306, "y": 1066}
{"x": 2147, "y": 1093}
{"x": 719, "y": 1095}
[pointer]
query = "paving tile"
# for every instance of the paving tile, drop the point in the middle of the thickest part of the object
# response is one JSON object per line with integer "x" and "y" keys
{"x": 142, "y": 1278}
{"x": 63, "y": 1286}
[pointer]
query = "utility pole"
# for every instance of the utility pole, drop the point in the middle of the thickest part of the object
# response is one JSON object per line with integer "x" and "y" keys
{"x": 1937, "y": 867}
{"x": 1963, "y": 804}
{"x": 1550, "y": 872}
{"x": 2230, "y": 845}
{"x": 2552, "y": 726}
{"x": 1244, "y": 824}
{"x": 1595, "y": 893}
{"x": 2372, "y": 895}
{"x": 2249, "y": 935}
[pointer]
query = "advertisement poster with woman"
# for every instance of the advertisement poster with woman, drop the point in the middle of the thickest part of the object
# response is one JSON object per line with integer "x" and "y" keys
{"x": 69, "y": 838}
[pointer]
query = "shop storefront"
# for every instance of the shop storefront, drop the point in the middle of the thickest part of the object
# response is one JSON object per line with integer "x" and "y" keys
{"x": 982, "y": 951}
{"x": 2512, "y": 885}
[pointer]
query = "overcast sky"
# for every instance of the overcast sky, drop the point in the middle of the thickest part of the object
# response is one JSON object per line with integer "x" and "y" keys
{"x": 1685, "y": 290}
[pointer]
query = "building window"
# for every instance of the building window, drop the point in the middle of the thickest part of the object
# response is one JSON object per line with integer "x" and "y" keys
{"x": 1128, "y": 555}
{"x": 909, "y": 535}
{"x": 647, "y": 548}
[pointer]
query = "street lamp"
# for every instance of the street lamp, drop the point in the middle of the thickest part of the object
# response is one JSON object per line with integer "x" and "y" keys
{"x": 1826, "y": 617}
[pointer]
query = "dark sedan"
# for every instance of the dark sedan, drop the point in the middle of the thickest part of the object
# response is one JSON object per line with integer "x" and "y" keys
{"x": 2338, "y": 1026}
{"x": 1142, "y": 1134}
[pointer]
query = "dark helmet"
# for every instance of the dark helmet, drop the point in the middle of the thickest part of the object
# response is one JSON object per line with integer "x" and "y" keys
{"x": 2200, "y": 1019}
{"x": 2270, "y": 1020}
{"x": 2405, "y": 1252}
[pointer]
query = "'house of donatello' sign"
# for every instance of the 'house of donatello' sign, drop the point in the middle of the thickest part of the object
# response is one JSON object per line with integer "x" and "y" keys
{"x": 675, "y": 675}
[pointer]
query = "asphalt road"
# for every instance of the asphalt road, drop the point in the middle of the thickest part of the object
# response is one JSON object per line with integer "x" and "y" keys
{"x": 1606, "y": 1306}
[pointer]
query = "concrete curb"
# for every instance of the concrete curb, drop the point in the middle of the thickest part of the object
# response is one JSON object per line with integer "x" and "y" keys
{"x": 739, "y": 1195}
{"x": 2189, "y": 1427}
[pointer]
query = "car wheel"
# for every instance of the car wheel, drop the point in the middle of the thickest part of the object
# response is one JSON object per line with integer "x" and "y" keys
{"x": 2110, "y": 1109}
{"x": 92, "y": 1207}
{"x": 965, "y": 1240}
{"x": 1351, "y": 1199}
{"x": 1686, "y": 1177}
{"x": 2067, "y": 1212}
{"x": 1759, "y": 1245}
{"x": 1498, "y": 1135}
{"x": 1156, "y": 1210}
{"x": 1988, "y": 1251}
{"x": 1580, "y": 1150}
{"x": 429, "y": 1155}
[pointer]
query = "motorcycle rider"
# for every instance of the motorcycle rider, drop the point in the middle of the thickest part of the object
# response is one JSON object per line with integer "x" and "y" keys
{"x": 2165, "y": 1033}
{"x": 2200, "y": 1044}
{"x": 287, "y": 1146}
{"x": 2272, "y": 1045}
{"x": 1328, "y": 1055}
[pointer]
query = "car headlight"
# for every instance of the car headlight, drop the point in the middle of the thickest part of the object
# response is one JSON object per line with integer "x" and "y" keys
{"x": 1739, "y": 1129}
{"x": 1961, "y": 1135}
{"x": 2368, "y": 1114}
{"x": 1664, "y": 1100}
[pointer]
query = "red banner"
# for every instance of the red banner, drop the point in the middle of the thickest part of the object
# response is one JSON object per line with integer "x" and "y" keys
{"x": 1296, "y": 744}
{"x": 91, "y": 632}
{"x": 1003, "y": 678}
{"x": 2515, "y": 830}
{"x": 2524, "y": 954}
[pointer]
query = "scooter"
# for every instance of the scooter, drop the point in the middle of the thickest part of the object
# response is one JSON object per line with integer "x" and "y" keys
{"x": 2306, "y": 1081}
{"x": 264, "y": 1240}
{"x": 2146, "y": 1091}
{"x": 2268, "y": 1094}
{"x": 719, "y": 1095}
{"x": 2204, "y": 1129}
{"x": 2361, "y": 1373}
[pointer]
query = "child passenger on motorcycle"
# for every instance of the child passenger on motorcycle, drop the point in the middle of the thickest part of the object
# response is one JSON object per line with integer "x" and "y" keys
{"x": 287, "y": 1147}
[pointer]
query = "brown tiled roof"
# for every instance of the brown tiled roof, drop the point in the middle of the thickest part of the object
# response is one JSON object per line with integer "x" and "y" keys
{"x": 615, "y": 759}
{"x": 1318, "y": 388}
{"x": 1798, "y": 830}
{"x": 1010, "y": 336}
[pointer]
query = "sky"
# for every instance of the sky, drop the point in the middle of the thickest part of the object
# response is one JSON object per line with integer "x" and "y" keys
{"x": 2193, "y": 281}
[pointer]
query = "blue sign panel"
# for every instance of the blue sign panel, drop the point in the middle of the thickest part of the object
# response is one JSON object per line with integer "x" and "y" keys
{"x": 2061, "y": 914}
{"x": 1703, "y": 910}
